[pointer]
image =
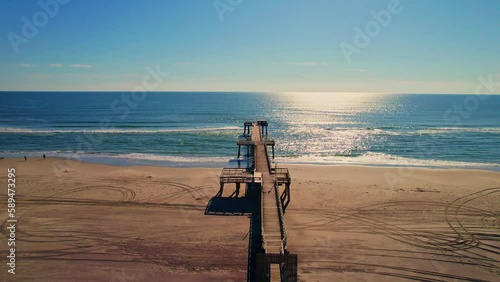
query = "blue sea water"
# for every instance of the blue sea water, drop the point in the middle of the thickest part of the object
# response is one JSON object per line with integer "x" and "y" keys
{"x": 201, "y": 128}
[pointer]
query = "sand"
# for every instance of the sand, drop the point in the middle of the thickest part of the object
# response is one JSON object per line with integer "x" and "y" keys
{"x": 89, "y": 222}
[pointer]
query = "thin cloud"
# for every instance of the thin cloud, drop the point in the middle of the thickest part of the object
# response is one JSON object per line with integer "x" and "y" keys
{"x": 449, "y": 84}
{"x": 44, "y": 75}
{"x": 56, "y": 65}
{"x": 358, "y": 70}
{"x": 102, "y": 75}
{"x": 183, "y": 63}
{"x": 80, "y": 66}
{"x": 309, "y": 63}
{"x": 71, "y": 74}
{"x": 26, "y": 65}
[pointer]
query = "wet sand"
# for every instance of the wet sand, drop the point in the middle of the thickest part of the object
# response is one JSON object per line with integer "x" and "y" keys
{"x": 90, "y": 222}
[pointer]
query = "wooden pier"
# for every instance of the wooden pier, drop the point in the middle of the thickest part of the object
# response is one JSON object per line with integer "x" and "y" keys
{"x": 273, "y": 262}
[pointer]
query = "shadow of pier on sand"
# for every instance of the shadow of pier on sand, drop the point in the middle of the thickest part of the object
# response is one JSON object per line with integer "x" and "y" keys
{"x": 233, "y": 205}
{"x": 248, "y": 205}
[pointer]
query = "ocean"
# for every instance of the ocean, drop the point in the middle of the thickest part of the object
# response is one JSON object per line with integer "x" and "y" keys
{"x": 189, "y": 129}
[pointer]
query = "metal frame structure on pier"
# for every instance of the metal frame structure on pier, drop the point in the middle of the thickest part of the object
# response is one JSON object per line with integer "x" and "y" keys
{"x": 274, "y": 263}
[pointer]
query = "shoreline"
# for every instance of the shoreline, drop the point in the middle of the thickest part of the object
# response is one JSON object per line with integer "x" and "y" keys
{"x": 128, "y": 162}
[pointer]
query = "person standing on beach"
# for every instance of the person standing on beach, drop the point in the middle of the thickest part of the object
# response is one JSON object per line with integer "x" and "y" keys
{"x": 44, "y": 156}
{"x": 25, "y": 158}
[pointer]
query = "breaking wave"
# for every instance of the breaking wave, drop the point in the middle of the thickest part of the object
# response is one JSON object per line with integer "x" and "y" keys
{"x": 115, "y": 131}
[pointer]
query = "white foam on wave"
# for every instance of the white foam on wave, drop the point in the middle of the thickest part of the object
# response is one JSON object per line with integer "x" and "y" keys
{"x": 370, "y": 159}
{"x": 368, "y": 130}
{"x": 111, "y": 130}
{"x": 116, "y": 131}
{"x": 128, "y": 156}
{"x": 409, "y": 131}
{"x": 381, "y": 159}
{"x": 441, "y": 130}
{"x": 170, "y": 158}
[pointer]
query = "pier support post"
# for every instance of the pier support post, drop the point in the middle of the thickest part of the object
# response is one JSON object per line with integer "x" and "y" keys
{"x": 239, "y": 151}
{"x": 248, "y": 151}
{"x": 221, "y": 190}
{"x": 285, "y": 197}
{"x": 287, "y": 188}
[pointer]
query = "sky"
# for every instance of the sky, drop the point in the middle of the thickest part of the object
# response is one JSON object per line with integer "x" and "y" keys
{"x": 375, "y": 46}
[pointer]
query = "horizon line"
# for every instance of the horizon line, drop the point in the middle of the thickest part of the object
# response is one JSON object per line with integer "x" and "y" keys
{"x": 243, "y": 91}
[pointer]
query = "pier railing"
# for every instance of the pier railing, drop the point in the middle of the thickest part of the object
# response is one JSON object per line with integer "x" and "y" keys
{"x": 238, "y": 175}
{"x": 282, "y": 175}
{"x": 264, "y": 243}
{"x": 268, "y": 161}
{"x": 282, "y": 221}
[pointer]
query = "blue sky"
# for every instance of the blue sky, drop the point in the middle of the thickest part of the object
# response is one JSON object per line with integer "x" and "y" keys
{"x": 427, "y": 46}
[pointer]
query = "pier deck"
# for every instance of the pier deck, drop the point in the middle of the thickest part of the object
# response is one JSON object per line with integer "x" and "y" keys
{"x": 274, "y": 263}
{"x": 270, "y": 215}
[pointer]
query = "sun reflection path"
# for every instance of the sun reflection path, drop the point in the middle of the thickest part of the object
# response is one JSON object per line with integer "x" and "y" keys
{"x": 329, "y": 124}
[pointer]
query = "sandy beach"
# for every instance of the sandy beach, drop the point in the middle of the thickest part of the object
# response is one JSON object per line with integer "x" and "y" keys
{"x": 89, "y": 222}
